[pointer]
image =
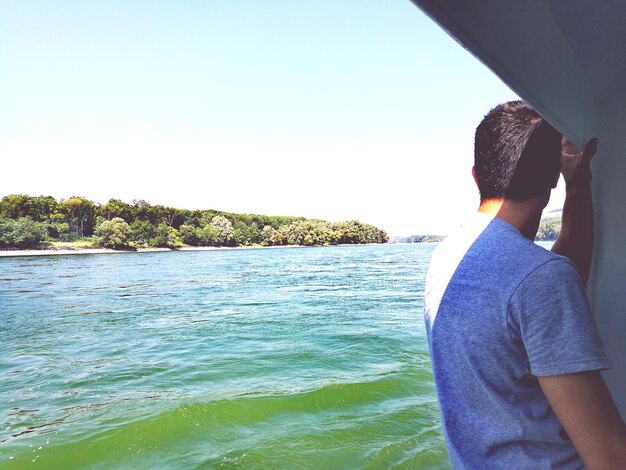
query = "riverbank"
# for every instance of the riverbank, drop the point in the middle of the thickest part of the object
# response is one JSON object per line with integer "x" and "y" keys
{"x": 97, "y": 251}
{"x": 81, "y": 250}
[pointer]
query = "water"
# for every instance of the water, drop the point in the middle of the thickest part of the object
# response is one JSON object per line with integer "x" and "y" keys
{"x": 279, "y": 358}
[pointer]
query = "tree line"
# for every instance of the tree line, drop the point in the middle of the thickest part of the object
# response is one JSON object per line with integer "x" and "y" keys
{"x": 549, "y": 229}
{"x": 419, "y": 239}
{"x": 26, "y": 221}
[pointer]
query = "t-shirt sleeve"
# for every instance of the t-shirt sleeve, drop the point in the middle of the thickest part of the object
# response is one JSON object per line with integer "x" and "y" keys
{"x": 550, "y": 314}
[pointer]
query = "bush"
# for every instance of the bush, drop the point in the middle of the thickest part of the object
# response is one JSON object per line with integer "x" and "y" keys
{"x": 141, "y": 232}
{"x": 207, "y": 236}
{"x": 246, "y": 234}
{"x": 21, "y": 233}
{"x": 271, "y": 237}
{"x": 224, "y": 232}
{"x": 166, "y": 237}
{"x": 113, "y": 233}
{"x": 188, "y": 235}
{"x": 549, "y": 229}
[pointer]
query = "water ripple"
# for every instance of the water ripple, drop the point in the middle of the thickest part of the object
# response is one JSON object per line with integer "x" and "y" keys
{"x": 252, "y": 358}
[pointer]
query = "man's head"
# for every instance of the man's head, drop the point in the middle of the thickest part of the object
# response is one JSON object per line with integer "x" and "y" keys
{"x": 517, "y": 154}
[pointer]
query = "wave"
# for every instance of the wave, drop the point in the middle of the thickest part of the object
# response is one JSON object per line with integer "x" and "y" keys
{"x": 336, "y": 422}
{"x": 313, "y": 288}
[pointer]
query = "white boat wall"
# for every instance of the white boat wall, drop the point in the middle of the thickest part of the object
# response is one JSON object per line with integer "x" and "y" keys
{"x": 568, "y": 60}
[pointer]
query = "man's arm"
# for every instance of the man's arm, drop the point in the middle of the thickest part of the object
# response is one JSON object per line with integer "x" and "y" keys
{"x": 585, "y": 408}
{"x": 576, "y": 238}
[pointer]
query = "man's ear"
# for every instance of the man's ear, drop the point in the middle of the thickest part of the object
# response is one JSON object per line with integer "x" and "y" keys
{"x": 474, "y": 176}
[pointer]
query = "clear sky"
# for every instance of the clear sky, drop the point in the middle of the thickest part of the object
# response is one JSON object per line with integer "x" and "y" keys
{"x": 328, "y": 109}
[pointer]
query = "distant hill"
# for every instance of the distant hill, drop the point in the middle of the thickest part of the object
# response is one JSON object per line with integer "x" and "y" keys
{"x": 549, "y": 230}
{"x": 417, "y": 239}
{"x": 552, "y": 214}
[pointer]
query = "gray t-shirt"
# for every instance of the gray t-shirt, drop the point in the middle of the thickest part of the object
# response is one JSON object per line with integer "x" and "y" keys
{"x": 500, "y": 311}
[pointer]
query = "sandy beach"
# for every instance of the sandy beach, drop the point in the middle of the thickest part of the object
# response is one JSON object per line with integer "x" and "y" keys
{"x": 99, "y": 251}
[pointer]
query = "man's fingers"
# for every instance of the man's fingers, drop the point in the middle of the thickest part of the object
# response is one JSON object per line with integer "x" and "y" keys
{"x": 590, "y": 148}
{"x": 568, "y": 149}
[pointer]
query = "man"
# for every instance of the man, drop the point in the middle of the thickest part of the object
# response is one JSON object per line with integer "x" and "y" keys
{"x": 516, "y": 355}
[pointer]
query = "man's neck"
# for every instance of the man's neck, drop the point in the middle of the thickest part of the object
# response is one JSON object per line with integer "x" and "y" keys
{"x": 525, "y": 216}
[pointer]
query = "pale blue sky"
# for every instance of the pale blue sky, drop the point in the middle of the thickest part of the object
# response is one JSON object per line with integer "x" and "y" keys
{"x": 336, "y": 110}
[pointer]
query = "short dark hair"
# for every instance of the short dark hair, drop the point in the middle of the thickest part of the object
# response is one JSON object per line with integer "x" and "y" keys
{"x": 517, "y": 154}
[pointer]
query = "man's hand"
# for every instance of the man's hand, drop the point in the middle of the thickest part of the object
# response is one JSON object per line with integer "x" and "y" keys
{"x": 576, "y": 167}
{"x": 576, "y": 238}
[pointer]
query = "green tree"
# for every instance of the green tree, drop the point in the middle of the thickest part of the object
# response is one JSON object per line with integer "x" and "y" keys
{"x": 14, "y": 206}
{"x": 173, "y": 217}
{"x": 79, "y": 213}
{"x": 320, "y": 232}
{"x": 549, "y": 229}
{"x": 184, "y": 217}
{"x": 188, "y": 234}
{"x": 292, "y": 234}
{"x": 6, "y": 232}
{"x": 144, "y": 211}
{"x": 141, "y": 232}
{"x": 271, "y": 237}
{"x": 348, "y": 232}
{"x": 116, "y": 208}
{"x": 207, "y": 236}
{"x": 113, "y": 233}
{"x": 42, "y": 208}
{"x": 21, "y": 233}
{"x": 205, "y": 217}
{"x": 246, "y": 234}
{"x": 166, "y": 236}
{"x": 225, "y": 234}
{"x": 58, "y": 230}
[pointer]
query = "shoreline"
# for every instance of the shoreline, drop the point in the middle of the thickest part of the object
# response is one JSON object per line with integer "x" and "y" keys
{"x": 107, "y": 251}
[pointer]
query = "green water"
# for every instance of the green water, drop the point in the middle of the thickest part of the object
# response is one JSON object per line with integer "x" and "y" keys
{"x": 282, "y": 358}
